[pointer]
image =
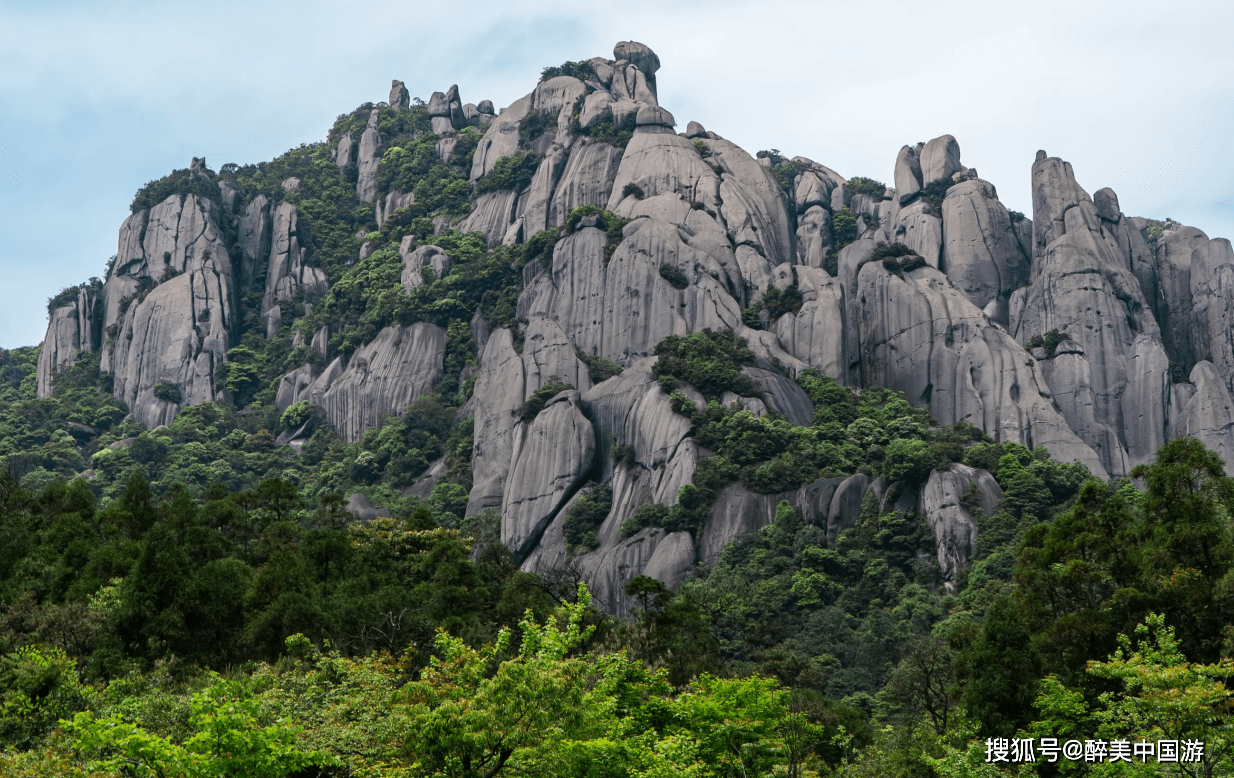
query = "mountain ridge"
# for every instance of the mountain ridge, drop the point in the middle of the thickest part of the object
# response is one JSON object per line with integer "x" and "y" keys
{"x": 619, "y": 233}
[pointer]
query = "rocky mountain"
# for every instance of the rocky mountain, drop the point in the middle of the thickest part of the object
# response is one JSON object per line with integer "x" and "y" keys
{"x": 1083, "y": 331}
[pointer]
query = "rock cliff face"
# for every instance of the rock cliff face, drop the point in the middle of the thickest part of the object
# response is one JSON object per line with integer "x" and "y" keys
{"x": 1071, "y": 330}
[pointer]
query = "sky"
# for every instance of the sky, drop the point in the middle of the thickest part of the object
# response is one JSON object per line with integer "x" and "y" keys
{"x": 96, "y": 99}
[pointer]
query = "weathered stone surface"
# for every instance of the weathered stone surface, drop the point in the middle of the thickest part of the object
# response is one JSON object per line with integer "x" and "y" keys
{"x": 1174, "y": 251}
{"x": 782, "y": 395}
{"x": 1209, "y": 414}
{"x": 253, "y": 238}
{"x": 552, "y": 455}
{"x": 653, "y": 116}
{"x": 492, "y": 214}
{"x": 597, "y": 107}
{"x": 815, "y": 334}
{"x": 500, "y": 139}
{"x": 811, "y": 189}
{"x": 814, "y": 239}
{"x": 637, "y": 54}
{"x": 908, "y": 172}
{"x": 536, "y": 203}
{"x": 939, "y": 159}
{"x": 662, "y": 162}
{"x": 370, "y": 146}
{"x": 1146, "y": 402}
{"x": 752, "y": 205}
{"x": 845, "y": 509}
{"x": 983, "y": 258}
{"x": 181, "y": 331}
{"x": 1082, "y": 285}
{"x": 736, "y": 512}
{"x": 486, "y": 107}
{"x": 620, "y": 309}
{"x": 415, "y": 261}
{"x": 1212, "y": 312}
{"x": 920, "y": 227}
{"x": 587, "y": 179}
{"x": 291, "y": 184}
{"x": 384, "y": 377}
{"x": 70, "y": 329}
{"x": 954, "y": 528}
{"x": 288, "y": 271}
{"x": 393, "y": 201}
{"x": 359, "y": 506}
{"x": 293, "y": 387}
{"x": 920, "y": 335}
{"x": 399, "y": 96}
{"x": 345, "y": 154}
{"x": 1070, "y": 375}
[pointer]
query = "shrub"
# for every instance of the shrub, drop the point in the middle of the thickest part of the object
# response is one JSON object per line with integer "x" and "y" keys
{"x": 66, "y": 296}
{"x": 623, "y": 454}
{"x": 749, "y": 317}
{"x": 178, "y": 182}
{"x": 167, "y": 391}
{"x": 536, "y": 124}
{"x": 585, "y": 516}
{"x": 867, "y": 186}
{"x": 296, "y": 414}
{"x": 906, "y": 459}
{"x": 779, "y": 302}
{"x": 514, "y": 171}
{"x": 674, "y": 276}
{"x": 1050, "y": 342}
{"x": 580, "y": 70}
{"x": 607, "y": 130}
{"x": 632, "y": 189}
{"x": 709, "y": 361}
{"x": 935, "y": 192}
{"x": 891, "y": 250}
{"x": 844, "y": 228}
{"x": 539, "y": 398}
{"x": 599, "y": 369}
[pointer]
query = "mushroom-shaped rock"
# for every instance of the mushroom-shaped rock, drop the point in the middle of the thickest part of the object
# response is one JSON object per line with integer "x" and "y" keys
{"x": 653, "y": 118}
{"x": 639, "y": 55}
{"x": 552, "y": 455}
{"x": 695, "y": 130}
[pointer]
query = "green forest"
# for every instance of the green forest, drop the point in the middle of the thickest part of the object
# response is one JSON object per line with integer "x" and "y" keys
{"x": 196, "y": 600}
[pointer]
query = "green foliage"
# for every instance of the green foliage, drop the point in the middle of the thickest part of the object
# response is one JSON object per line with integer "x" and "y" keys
{"x": 1050, "y": 342}
{"x": 750, "y": 318}
{"x": 513, "y": 171}
{"x": 580, "y": 70}
{"x": 779, "y": 302}
{"x": 598, "y": 368}
{"x": 536, "y": 124}
{"x": 536, "y": 402}
{"x": 844, "y": 228}
{"x": 674, "y": 276}
{"x": 414, "y": 166}
{"x": 709, "y": 361}
{"x": 585, "y": 516}
{"x": 607, "y": 130}
{"x": 934, "y": 193}
{"x": 178, "y": 182}
{"x": 228, "y": 739}
{"x": 867, "y": 186}
{"x": 168, "y": 392}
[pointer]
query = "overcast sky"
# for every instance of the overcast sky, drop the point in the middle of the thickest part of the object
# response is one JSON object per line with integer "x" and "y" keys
{"x": 97, "y": 99}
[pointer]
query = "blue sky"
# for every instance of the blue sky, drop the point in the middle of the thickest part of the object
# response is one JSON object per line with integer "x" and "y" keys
{"x": 97, "y": 99}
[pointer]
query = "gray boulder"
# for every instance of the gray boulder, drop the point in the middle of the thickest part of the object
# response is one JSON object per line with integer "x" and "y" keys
{"x": 940, "y": 159}
{"x": 383, "y": 377}
{"x": 370, "y": 147}
{"x": 399, "y": 96}
{"x": 982, "y": 255}
{"x": 415, "y": 261}
{"x": 552, "y": 455}
{"x": 908, "y": 172}
{"x": 943, "y": 501}
{"x": 71, "y": 328}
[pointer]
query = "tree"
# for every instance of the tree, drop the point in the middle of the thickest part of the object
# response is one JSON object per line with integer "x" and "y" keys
{"x": 1001, "y": 668}
{"x": 469, "y": 724}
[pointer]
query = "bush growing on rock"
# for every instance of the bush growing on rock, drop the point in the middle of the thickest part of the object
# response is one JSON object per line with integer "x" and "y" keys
{"x": 867, "y": 186}
{"x": 709, "y": 361}
{"x": 167, "y": 391}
